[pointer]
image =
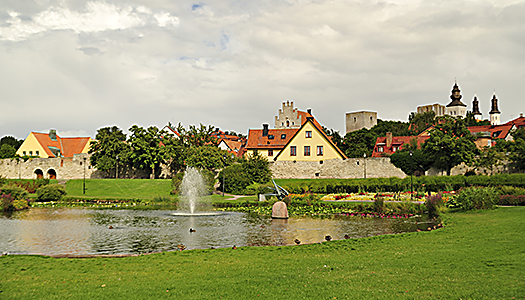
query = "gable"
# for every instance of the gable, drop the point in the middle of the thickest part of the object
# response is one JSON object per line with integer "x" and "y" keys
{"x": 31, "y": 143}
{"x": 317, "y": 139}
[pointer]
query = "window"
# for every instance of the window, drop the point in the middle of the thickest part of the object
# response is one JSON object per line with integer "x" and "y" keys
{"x": 306, "y": 150}
{"x": 283, "y": 136}
{"x": 270, "y": 152}
{"x": 30, "y": 153}
{"x": 293, "y": 150}
{"x": 270, "y": 137}
{"x": 380, "y": 149}
{"x": 23, "y": 153}
{"x": 319, "y": 150}
{"x": 308, "y": 134}
{"x": 37, "y": 153}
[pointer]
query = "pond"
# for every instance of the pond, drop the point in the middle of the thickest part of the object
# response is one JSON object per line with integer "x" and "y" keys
{"x": 67, "y": 231}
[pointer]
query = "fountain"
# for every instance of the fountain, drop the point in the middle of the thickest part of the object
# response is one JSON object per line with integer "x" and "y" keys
{"x": 193, "y": 195}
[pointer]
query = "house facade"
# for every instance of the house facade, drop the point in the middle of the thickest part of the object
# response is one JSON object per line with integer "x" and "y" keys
{"x": 50, "y": 145}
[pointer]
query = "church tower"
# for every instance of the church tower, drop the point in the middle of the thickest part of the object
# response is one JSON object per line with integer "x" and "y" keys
{"x": 494, "y": 112}
{"x": 475, "y": 109}
{"x": 456, "y": 108}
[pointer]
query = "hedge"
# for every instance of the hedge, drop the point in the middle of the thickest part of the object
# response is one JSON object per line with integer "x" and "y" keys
{"x": 394, "y": 184}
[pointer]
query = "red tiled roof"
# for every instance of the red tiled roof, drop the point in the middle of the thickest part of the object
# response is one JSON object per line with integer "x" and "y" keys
{"x": 68, "y": 146}
{"x": 496, "y": 132}
{"x": 256, "y": 140}
{"x": 304, "y": 115}
{"x": 397, "y": 141}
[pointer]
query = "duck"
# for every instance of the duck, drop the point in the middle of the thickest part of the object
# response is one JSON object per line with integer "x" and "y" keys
{"x": 328, "y": 238}
{"x": 181, "y": 247}
{"x": 234, "y": 247}
{"x": 110, "y": 227}
{"x": 192, "y": 230}
{"x": 346, "y": 236}
{"x": 297, "y": 241}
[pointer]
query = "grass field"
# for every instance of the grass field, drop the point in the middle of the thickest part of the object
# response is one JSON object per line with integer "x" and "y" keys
{"x": 478, "y": 255}
{"x": 120, "y": 188}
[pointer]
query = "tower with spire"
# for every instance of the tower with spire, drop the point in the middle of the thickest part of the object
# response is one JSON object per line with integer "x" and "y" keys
{"x": 475, "y": 109}
{"x": 456, "y": 108}
{"x": 494, "y": 111}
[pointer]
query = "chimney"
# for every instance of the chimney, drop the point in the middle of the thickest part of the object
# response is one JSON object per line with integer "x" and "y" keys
{"x": 521, "y": 115}
{"x": 309, "y": 110}
{"x": 388, "y": 139}
{"x": 53, "y": 134}
{"x": 265, "y": 129}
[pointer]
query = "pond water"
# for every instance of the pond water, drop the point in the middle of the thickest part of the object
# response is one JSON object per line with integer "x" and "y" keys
{"x": 67, "y": 231}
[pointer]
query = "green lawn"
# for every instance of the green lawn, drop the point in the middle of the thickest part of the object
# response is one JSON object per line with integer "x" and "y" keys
{"x": 478, "y": 255}
{"x": 120, "y": 188}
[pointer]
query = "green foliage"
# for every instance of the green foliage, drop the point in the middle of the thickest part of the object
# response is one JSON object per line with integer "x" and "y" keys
{"x": 257, "y": 169}
{"x": 518, "y": 149}
{"x": 110, "y": 149}
{"x": 7, "y": 151}
{"x": 207, "y": 157}
{"x": 420, "y": 122}
{"x": 477, "y": 198}
{"x": 150, "y": 148}
{"x": 235, "y": 179}
{"x": 30, "y": 185}
{"x": 51, "y": 192}
{"x": 450, "y": 144}
{"x": 11, "y": 140}
{"x": 379, "y": 205}
{"x": 409, "y": 164}
{"x": 471, "y": 121}
{"x": 434, "y": 204}
{"x": 489, "y": 159}
{"x": 15, "y": 191}
{"x": 176, "y": 182}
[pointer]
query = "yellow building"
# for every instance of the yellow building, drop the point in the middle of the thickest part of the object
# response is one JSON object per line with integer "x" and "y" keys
{"x": 309, "y": 143}
{"x": 51, "y": 145}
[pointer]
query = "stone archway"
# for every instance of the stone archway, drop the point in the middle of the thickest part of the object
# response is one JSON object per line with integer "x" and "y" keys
{"x": 52, "y": 174}
{"x": 39, "y": 174}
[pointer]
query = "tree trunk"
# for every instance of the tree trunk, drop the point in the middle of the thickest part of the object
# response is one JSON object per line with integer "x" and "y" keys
{"x": 448, "y": 171}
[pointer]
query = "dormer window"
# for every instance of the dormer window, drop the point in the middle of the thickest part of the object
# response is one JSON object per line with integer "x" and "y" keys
{"x": 283, "y": 136}
{"x": 308, "y": 134}
{"x": 270, "y": 137}
{"x": 379, "y": 149}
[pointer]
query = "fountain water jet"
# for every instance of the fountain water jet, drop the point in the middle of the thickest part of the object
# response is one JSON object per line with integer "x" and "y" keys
{"x": 193, "y": 194}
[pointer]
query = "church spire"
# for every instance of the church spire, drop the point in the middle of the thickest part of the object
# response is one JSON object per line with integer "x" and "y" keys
{"x": 475, "y": 109}
{"x": 494, "y": 111}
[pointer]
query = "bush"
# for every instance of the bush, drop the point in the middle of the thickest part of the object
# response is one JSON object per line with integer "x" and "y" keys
{"x": 477, "y": 198}
{"x": 512, "y": 200}
{"x": 434, "y": 204}
{"x": 235, "y": 181}
{"x": 15, "y": 191}
{"x": 379, "y": 205}
{"x": 6, "y": 202}
{"x": 52, "y": 192}
{"x": 176, "y": 181}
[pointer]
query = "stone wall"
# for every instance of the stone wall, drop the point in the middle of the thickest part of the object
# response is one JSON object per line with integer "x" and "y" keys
{"x": 335, "y": 168}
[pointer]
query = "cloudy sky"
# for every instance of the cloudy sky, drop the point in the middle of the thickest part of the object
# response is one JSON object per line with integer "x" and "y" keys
{"x": 77, "y": 66}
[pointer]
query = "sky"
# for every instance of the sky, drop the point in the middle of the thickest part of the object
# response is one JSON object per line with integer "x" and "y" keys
{"x": 77, "y": 66}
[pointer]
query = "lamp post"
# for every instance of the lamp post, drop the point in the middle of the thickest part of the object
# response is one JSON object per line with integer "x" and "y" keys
{"x": 223, "y": 167}
{"x": 84, "y": 184}
{"x": 411, "y": 174}
{"x": 364, "y": 166}
{"x": 116, "y": 169}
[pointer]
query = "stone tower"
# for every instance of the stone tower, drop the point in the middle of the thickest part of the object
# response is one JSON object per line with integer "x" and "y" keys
{"x": 494, "y": 112}
{"x": 475, "y": 109}
{"x": 288, "y": 117}
{"x": 360, "y": 119}
{"x": 456, "y": 108}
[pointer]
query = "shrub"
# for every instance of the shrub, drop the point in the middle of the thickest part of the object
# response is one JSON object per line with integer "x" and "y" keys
{"x": 434, "y": 204}
{"x": 15, "y": 191}
{"x": 176, "y": 181}
{"x": 6, "y": 202}
{"x": 52, "y": 192}
{"x": 379, "y": 205}
{"x": 477, "y": 198}
{"x": 235, "y": 181}
{"x": 512, "y": 200}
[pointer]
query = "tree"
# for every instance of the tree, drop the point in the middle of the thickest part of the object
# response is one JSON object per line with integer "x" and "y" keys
{"x": 109, "y": 149}
{"x": 11, "y": 140}
{"x": 410, "y": 164}
{"x": 196, "y": 136}
{"x": 517, "y": 150}
{"x": 420, "y": 122}
{"x": 471, "y": 121}
{"x": 450, "y": 144}
{"x": 359, "y": 142}
{"x": 148, "y": 148}
{"x": 208, "y": 157}
{"x": 257, "y": 168}
{"x": 7, "y": 151}
{"x": 489, "y": 159}
{"x": 336, "y": 138}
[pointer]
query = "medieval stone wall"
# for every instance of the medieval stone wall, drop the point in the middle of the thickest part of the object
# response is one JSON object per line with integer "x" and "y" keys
{"x": 350, "y": 168}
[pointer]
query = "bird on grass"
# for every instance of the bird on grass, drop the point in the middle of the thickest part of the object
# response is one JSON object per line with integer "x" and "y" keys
{"x": 346, "y": 236}
{"x": 328, "y": 238}
{"x": 234, "y": 247}
{"x": 192, "y": 230}
{"x": 297, "y": 241}
{"x": 181, "y": 247}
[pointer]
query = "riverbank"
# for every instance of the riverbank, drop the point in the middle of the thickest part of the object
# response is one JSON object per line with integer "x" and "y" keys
{"x": 477, "y": 255}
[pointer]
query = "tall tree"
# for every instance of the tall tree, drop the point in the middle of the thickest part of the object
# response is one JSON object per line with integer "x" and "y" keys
{"x": 7, "y": 151}
{"x": 148, "y": 148}
{"x": 450, "y": 144}
{"x": 517, "y": 154}
{"x": 109, "y": 149}
{"x": 419, "y": 122}
{"x": 11, "y": 140}
{"x": 409, "y": 164}
{"x": 359, "y": 142}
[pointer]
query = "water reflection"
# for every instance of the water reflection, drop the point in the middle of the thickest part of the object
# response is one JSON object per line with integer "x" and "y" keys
{"x": 87, "y": 231}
